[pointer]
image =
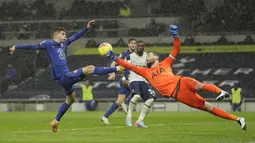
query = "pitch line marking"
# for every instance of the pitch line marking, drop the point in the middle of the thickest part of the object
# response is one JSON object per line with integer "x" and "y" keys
{"x": 109, "y": 127}
{"x": 77, "y": 129}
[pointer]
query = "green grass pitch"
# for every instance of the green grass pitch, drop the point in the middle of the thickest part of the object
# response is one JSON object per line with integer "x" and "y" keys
{"x": 85, "y": 127}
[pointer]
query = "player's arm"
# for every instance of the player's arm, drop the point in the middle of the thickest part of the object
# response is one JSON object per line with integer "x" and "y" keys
{"x": 77, "y": 35}
{"x": 41, "y": 45}
{"x": 114, "y": 64}
{"x": 177, "y": 45}
{"x": 125, "y": 79}
{"x": 112, "y": 76}
{"x": 127, "y": 71}
{"x": 126, "y": 64}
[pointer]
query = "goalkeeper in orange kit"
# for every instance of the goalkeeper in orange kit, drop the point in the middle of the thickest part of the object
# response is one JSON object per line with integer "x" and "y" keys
{"x": 183, "y": 89}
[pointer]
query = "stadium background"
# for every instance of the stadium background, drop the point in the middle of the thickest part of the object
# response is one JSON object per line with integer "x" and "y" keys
{"x": 217, "y": 46}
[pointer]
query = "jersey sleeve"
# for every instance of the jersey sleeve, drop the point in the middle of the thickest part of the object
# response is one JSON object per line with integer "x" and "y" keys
{"x": 76, "y": 36}
{"x": 174, "y": 53}
{"x": 42, "y": 45}
{"x": 138, "y": 70}
{"x": 123, "y": 56}
{"x": 177, "y": 47}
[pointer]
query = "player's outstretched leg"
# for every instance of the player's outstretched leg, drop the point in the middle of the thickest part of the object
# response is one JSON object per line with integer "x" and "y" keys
{"x": 146, "y": 109}
{"x": 131, "y": 106}
{"x": 187, "y": 95}
{"x": 223, "y": 114}
{"x": 100, "y": 70}
{"x": 198, "y": 86}
{"x": 214, "y": 89}
{"x": 113, "y": 108}
{"x": 62, "y": 110}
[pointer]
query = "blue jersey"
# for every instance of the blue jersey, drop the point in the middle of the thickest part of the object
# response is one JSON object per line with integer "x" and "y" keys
{"x": 124, "y": 56}
{"x": 56, "y": 53}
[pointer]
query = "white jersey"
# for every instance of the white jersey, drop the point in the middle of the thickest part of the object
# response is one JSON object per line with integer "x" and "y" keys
{"x": 138, "y": 61}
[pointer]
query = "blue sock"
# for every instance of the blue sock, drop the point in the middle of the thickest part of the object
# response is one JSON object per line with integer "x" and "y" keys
{"x": 128, "y": 100}
{"x": 113, "y": 108}
{"x": 63, "y": 108}
{"x": 104, "y": 70}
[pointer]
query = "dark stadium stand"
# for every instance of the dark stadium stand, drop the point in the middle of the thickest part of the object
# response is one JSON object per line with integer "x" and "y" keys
{"x": 220, "y": 19}
{"x": 40, "y": 9}
{"x": 25, "y": 62}
{"x": 239, "y": 12}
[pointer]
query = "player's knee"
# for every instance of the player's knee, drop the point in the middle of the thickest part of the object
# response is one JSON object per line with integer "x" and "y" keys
{"x": 88, "y": 69}
{"x": 120, "y": 99}
{"x": 208, "y": 107}
{"x": 70, "y": 99}
{"x": 135, "y": 98}
{"x": 199, "y": 86}
{"x": 149, "y": 102}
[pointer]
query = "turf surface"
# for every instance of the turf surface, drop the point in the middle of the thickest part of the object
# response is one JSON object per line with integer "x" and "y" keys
{"x": 85, "y": 127}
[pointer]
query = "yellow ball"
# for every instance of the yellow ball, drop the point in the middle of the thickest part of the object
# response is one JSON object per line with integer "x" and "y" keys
{"x": 104, "y": 48}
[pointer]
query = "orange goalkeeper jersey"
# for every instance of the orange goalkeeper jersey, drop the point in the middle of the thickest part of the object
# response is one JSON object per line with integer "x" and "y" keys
{"x": 161, "y": 76}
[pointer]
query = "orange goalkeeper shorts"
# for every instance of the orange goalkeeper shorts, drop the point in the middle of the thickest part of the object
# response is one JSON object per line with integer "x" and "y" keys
{"x": 185, "y": 92}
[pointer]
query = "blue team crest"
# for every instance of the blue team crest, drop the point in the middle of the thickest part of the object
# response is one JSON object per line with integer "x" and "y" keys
{"x": 61, "y": 54}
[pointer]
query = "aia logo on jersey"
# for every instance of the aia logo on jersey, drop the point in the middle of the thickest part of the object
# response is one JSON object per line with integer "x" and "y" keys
{"x": 61, "y": 54}
{"x": 157, "y": 72}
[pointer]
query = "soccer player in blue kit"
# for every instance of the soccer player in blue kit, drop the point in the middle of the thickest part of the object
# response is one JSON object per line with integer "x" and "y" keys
{"x": 124, "y": 90}
{"x": 55, "y": 50}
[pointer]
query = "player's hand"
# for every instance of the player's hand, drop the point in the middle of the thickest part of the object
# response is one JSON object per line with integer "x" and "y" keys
{"x": 173, "y": 29}
{"x": 112, "y": 76}
{"x": 12, "y": 49}
{"x": 111, "y": 55}
{"x": 91, "y": 24}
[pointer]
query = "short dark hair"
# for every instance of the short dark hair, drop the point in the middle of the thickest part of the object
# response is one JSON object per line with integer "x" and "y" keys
{"x": 154, "y": 53}
{"x": 132, "y": 39}
{"x": 58, "y": 29}
{"x": 141, "y": 42}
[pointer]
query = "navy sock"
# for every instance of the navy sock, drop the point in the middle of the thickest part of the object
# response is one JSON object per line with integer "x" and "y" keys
{"x": 104, "y": 70}
{"x": 62, "y": 110}
{"x": 113, "y": 108}
{"x": 128, "y": 100}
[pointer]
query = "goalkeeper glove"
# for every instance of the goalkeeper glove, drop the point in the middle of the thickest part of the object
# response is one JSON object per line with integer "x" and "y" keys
{"x": 173, "y": 29}
{"x": 111, "y": 55}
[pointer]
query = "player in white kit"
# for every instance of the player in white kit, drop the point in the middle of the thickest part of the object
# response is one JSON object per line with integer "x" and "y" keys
{"x": 139, "y": 87}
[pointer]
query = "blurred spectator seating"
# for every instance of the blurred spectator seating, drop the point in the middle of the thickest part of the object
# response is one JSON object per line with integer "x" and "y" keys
{"x": 233, "y": 16}
{"x": 25, "y": 65}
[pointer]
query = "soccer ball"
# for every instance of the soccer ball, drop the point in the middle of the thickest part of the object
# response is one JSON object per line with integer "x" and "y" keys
{"x": 104, "y": 48}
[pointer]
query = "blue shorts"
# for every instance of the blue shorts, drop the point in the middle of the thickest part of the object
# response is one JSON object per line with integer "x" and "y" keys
{"x": 69, "y": 79}
{"x": 143, "y": 89}
{"x": 123, "y": 89}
